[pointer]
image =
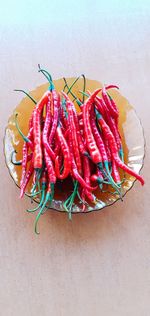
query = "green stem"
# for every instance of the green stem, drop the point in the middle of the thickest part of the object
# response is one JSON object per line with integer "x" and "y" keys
{"x": 64, "y": 107}
{"x": 34, "y": 194}
{"x": 40, "y": 204}
{"x": 108, "y": 175}
{"x": 73, "y": 83}
{"x": 69, "y": 202}
{"x": 84, "y": 87}
{"x": 69, "y": 90}
{"x": 16, "y": 163}
{"x": 47, "y": 198}
{"x": 121, "y": 154}
{"x": 38, "y": 176}
{"x": 47, "y": 76}
{"x": 26, "y": 139}
{"x": 84, "y": 93}
{"x": 79, "y": 196}
{"x": 27, "y": 94}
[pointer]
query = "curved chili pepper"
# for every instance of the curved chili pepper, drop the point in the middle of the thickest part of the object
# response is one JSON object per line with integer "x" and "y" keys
{"x": 111, "y": 86}
{"x": 56, "y": 106}
{"x": 110, "y": 121}
{"x": 50, "y": 168}
{"x": 87, "y": 176}
{"x": 82, "y": 148}
{"x": 114, "y": 149}
{"x": 115, "y": 172}
{"x": 75, "y": 172}
{"x": 114, "y": 106}
{"x": 27, "y": 143}
{"x": 63, "y": 114}
{"x": 27, "y": 178}
{"x": 45, "y": 133}
{"x": 113, "y": 124}
{"x": 73, "y": 132}
{"x": 116, "y": 131}
{"x": 98, "y": 138}
{"x": 98, "y": 102}
{"x": 38, "y": 155}
{"x": 113, "y": 111}
{"x": 102, "y": 150}
{"x": 90, "y": 141}
{"x": 66, "y": 154}
{"x": 57, "y": 142}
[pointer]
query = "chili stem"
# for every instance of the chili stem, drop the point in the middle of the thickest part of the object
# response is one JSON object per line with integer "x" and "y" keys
{"x": 16, "y": 163}
{"x": 26, "y": 139}
{"x": 27, "y": 94}
{"x": 39, "y": 205}
{"x": 47, "y": 76}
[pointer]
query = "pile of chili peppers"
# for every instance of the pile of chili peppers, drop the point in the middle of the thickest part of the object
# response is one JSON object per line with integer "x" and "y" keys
{"x": 61, "y": 143}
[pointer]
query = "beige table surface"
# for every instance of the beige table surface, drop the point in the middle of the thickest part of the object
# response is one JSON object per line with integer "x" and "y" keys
{"x": 98, "y": 264}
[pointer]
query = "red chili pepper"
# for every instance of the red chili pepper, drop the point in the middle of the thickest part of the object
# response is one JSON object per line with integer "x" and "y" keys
{"x": 115, "y": 108}
{"x": 107, "y": 148}
{"x": 66, "y": 154}
{"x": 98, "y": 138}
{"x": 79, "y": 115}
{"x": 79, "y": 136}
{"x": 111, "y": 86}
{"x": 37, "y": 141}
{"x": 57, "y": 147}
{"x": 99, "y": 104}
{"x": 57, "y": 142}
{"x": 78, "y": 130}
{"x": 56, "y": 106}
{"x": 73, "y": 131}
{"x": 90, "y": 141}
{"x": 115, "y": 172}
{"x": 87, "y": 176}
{"x": 63, "y": 117}
{"x": 110, "y": 121}
{"x": 49, "y": 167}
{"x": 24, "y": 163}
{"x": 27, "y": 178}
{"x": 45, "y": 133}
{"x": 99, "y": 178}
{"x": 25, "y": 155}
{"x": 114, "y": 149}
{"x": 113, "y": 125}
{"x": 113, "y": 111}
{"x": 38, "y": 156}
{"x": 75, "y": 172}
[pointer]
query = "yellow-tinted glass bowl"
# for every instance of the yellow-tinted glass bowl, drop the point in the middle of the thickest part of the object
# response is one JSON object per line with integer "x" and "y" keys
{"x": 130, "y": 129}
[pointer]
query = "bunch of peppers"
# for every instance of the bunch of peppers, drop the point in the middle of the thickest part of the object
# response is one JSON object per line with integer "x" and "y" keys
{"x": 61, "y": 143}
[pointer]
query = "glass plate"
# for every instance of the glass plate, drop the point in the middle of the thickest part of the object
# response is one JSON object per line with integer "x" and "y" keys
{"x": 130, "y": 129}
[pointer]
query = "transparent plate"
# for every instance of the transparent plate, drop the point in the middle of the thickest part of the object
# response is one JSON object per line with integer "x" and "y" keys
{"x": 130, "y": 129}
